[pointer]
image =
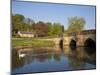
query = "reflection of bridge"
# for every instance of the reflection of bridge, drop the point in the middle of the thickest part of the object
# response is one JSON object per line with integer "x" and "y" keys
{"x": 83, "y": 38}
{"x": 76, "y": 56}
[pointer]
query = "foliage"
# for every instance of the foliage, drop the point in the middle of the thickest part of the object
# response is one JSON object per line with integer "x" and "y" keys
{"x": 54, "y": 29}
{"x": 57, "y": 29}
{"x": 76, "y": 24}
{"x": 18, "y": 24}
{"x": 41, "y": 29}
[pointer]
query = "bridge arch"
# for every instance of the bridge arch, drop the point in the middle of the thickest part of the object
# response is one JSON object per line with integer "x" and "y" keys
{"x": 61, "y": 43}
{"x": 72, "y": 43}
{"x": 90, "y": 43}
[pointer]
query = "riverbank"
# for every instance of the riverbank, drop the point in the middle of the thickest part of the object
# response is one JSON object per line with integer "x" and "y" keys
{"x": 31, "y": 42}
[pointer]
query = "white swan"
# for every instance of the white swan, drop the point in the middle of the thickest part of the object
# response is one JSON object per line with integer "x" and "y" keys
{"x": 22, "y": 55}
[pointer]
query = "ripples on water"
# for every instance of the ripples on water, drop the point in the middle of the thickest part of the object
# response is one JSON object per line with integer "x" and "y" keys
{"x": 33, "y": 60}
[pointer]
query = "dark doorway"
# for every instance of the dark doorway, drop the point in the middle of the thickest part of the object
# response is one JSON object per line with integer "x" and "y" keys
{"x": 90, "y": 43}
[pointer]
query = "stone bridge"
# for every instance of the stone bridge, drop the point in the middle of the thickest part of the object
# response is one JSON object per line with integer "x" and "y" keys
{"x": 83, "y": 38}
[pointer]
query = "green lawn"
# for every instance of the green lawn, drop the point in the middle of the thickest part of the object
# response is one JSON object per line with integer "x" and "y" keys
{"x": 31, "y": 42}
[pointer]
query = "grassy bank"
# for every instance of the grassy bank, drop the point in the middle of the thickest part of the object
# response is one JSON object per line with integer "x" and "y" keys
{"x": 16, "y": 42}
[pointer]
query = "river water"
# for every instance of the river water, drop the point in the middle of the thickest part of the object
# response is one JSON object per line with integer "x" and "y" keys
{"x": 37, "y": 60}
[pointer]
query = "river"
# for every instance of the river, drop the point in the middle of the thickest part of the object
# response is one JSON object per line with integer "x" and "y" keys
{"x": 37, "y": 60}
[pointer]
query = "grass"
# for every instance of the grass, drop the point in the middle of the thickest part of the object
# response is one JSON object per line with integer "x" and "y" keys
{"x": 31, "y": 42}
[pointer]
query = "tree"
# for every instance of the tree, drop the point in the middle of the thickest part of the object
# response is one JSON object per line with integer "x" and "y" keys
{"x": 54, "y": 29}
{"x": 57, "y": 29}
{"x": 20, "y": 23}
{"x": 41, "y": 29}
{"x": 17, "y": 21}
{"x": 76, "y": 24}
{"x": 50, "y": 29}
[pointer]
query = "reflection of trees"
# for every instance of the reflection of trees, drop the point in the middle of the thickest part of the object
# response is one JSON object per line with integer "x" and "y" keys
{"x": 42, "y": 54}
{"x": 28, "y": 55}
{"x": 78, "y": 58}
{"x": 16, "y": 62}
{"x": 87, "y": 54}
{"x": 29, "y": 59}
{"x": 91, "y": 53}
{"x": 49, "y": 56}
{"x": 75, "y": 62}
{"x": 46, "y": 55}
{"x": 57, "y": 56}
{"x": 42, "y": 50}
{"x": 41, "y": 58}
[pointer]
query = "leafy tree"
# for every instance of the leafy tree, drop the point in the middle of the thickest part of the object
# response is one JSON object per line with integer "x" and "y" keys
{"x": 76, "y": 24}
{"x": 57, "y": 29}
{"x": 41, "y": 29}
{"x": 50, "y": 29}
{"x": 17, "y": 20}
{"x": 20, "y": 23}
{"x": 54, "y": 29}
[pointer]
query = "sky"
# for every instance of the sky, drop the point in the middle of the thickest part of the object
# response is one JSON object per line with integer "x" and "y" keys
{"x": 53, "y": 12}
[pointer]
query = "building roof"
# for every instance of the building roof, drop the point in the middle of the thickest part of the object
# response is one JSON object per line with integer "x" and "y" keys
{"x": 26, "y": 32}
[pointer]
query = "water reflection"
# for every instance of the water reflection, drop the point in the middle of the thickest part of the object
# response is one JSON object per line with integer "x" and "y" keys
{"x": 79, "y": 56}
{"x": 75, "y": 58}
{"x": 16, "y": 61}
